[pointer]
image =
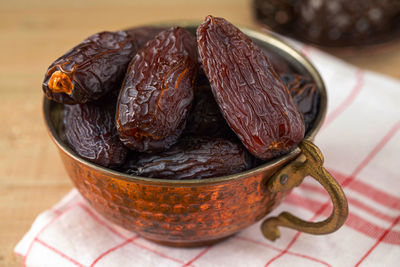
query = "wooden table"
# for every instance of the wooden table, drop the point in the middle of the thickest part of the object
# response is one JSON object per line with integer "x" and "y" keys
{"x": 32, "y": 35}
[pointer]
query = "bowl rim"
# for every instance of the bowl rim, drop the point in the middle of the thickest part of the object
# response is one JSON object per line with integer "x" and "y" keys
{"x": 278, "y": 44}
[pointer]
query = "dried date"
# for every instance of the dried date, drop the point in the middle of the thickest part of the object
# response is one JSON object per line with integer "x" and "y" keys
{"x": 91, "y": 69}
{"x": 90, "y": 131}
{"x": 157, "y": 92}
{"x": 192, "y": 158}
{"x": 251, "y": 96}
{"x": 279, "y": 64}
{"x": 305, "y": 95}
{"x": 205, "y": 118}
{"x": 141, "y": 35}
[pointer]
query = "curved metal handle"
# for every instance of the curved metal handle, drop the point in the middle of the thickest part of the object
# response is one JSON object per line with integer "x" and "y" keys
{"x": 308, "y": 163}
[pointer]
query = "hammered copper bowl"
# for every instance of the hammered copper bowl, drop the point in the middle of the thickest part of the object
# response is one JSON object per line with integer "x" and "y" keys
{"x": 198, "y": 212}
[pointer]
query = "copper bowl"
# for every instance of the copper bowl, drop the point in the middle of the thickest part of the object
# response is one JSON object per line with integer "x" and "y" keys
{"x": 198, "y": 212}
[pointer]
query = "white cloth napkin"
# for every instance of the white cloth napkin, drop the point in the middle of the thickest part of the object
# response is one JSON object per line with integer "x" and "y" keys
{"x": 361, "y": 144}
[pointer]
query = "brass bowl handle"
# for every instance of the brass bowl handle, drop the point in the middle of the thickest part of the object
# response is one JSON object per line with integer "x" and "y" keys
{"x": 310, "y": 163}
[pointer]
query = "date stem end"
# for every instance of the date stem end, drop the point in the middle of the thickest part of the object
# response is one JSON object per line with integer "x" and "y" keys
{"x": 60, "y": 83}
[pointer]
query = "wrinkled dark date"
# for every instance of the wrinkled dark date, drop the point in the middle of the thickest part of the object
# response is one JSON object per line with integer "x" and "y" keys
{"x": 192, "y": 158}
{"x": 157, "y": 92}
{"x": 280, "y": 66}
{"x": 141, "y": 35}
{"x": 305, "y": 95}
{"x": 90, "y": 131}
{"x": 205, "y": 118}
{"x": 91, "y": 69}
{"x": 251, "y": 96}
{"x": 332, "y": 23}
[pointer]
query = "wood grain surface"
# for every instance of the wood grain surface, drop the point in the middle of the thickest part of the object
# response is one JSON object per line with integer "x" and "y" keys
{"x": 32, "y": 35}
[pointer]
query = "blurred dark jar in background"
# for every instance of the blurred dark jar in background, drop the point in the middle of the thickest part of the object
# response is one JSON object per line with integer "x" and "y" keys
{"x": 334, "y": 23}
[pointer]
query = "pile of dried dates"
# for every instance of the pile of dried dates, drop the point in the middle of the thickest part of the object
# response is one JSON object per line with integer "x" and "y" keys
{"x": 333, "y": 23}
{"x": 156, "y": 102}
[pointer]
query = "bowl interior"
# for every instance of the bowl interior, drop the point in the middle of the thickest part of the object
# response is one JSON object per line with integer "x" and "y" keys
{"x": 53, "y": 112}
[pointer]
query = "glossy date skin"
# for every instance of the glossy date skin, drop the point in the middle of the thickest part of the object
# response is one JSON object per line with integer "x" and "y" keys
{"x": 157, "y": 92}
{"x": 205, "y": 118}
{"x": 306, "y": 96}
{"x": 280, "y": 65}
{"x": 192, "y": 158}
{"x": 251, "y": 96}
{"x": 141, "y": 35}
{"x": 90, "y": 131}
{"x": 91, "y": 69}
